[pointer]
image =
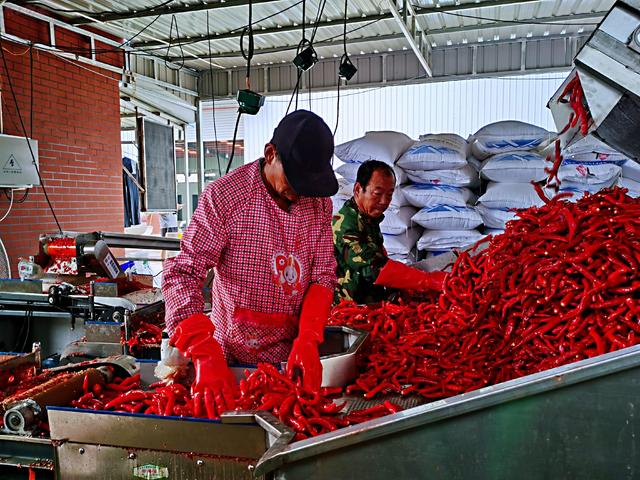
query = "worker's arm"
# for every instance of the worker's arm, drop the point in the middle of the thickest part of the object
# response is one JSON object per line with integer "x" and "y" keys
{"x": 200, "y": 249}
{"x": 304, "y": 359}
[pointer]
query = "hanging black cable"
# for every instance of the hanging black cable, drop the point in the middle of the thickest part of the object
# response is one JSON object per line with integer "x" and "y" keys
{"x": 337, "y": 108}
{"x": 303, "y": 42}
{"x": 127, "y": 42}
{"x": 248, "y": 100}
{"x": 317, "y": 21}
{"x": 26, "y": 135}
{"x": 344, "y": 70}
{"x": 166, "y": 63}
{"x": 213, "y": 100}
{"x": 233, "y": 143}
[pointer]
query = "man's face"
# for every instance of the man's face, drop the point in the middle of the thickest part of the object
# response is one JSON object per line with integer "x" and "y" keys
{"x": 277, "y": 178}
{"x": 373, "y": 200}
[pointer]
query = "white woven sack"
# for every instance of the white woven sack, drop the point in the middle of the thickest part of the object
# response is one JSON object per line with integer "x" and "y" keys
{"x": 508, "y": 136}
{"x": 474, "y": 162}
{"x": 448, "y": 217}
{"x": 590, "y": 148}
{"x": 384, "y": 146}
{"x": 631, "y": 185}
{"x": 349, "y": 171}
{"x": 493, "y": 231}
{"x": 338, "y": 201}
{"x": 514, "y": 167}
{"x": 402, "y": 244}
{"x": 589, "y": 173}
{"x": 581, "y": 188}
{"x": 447, "y": 239}
{"x": 466, "y": 176}
{"x": 435, "y": 152}
{"x": 495, "y": 217}
{"x": 631, "y": 170}
{"x": 510, "y": 195}
{"x": 396, "y": 223}
{"x": 345, "y": 187}
{"x": 408, "y": 258}
{"x": 425, "y": 195}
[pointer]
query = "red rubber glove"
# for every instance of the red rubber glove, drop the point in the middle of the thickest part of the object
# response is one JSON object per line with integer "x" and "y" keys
{"x": 398, "y": 275}
{"x": 214, "y": 384}
{"x": 304, "y": 359}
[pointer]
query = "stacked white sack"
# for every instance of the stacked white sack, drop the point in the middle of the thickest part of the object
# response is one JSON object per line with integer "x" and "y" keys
{"x": 509, "y": 158}
{"x": 399, "y": 233}
{"x": 630, "y": 178}
{"x": 385, "y": 146}
{"x": 508, "y": 136}
{"x": 442, "y": 177}
{"x": 589, "y": 166}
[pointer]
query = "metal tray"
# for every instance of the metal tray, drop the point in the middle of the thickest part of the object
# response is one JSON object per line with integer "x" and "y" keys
{"x": 337, "y": 355}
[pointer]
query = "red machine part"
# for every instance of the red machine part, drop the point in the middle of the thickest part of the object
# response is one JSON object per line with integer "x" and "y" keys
{"x": 61, "y": 247}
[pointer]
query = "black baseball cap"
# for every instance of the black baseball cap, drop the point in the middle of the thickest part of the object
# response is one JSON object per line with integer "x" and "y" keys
{"x": 305, "y": 145}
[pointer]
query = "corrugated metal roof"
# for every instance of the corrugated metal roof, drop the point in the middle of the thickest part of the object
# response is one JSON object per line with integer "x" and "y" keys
{"x": 468, "y": 24}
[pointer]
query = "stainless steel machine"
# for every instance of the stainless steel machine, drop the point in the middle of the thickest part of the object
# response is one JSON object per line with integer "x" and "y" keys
{"x": 27, "y": 394}
{"x": 606, "y": 83}
{"x": 76, "y": 278}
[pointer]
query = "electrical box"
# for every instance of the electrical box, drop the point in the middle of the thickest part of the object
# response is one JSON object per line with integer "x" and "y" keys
{"x": 17, "y": 168}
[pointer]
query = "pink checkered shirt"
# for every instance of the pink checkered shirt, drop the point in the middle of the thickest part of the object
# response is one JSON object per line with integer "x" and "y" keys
{"x": 264, "y": 260}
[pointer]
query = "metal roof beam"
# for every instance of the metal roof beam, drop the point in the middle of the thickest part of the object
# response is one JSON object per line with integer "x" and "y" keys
{"x": 408, "y": 23}
{"x": 166, "y": 10}
{"x": 284, "y": 48}
{"x": 235, "y": 34}
{"x": 396, "y": 36}
{"x": 327, "y": 23}
{"x": 173, "y": 9}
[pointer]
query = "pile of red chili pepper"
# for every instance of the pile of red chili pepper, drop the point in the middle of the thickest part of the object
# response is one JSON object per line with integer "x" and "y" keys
{"x": 560, "y": 285}
{"x": 20, "y": 379}
{"x": 308, "y": 413}
{"x": 142, "y": 335}
{"x": 577, "y": 102}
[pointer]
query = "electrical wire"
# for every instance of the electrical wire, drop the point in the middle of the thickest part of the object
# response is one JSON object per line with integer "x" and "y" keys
{"x": 196, "y": 39}
{"x": 26, "y": 136}
{"x": 247, "y": 55}
{"x": 233, "y": 143}
{"x": 93, "y": 14}
{"x": 345, "y": 55}
{"x": 301, "y": 46}
{"x": 335, "y": 129}
{"x": 10, "y": 206}
{"x": 166, "y": 63}
{"x": 317, "y": 20}
{"x": 295, "y": 90}
{"x": 126, "y": 42}
{"x": 24, "y": 195}
{"x": 516, "y": 22}
{"x": 213, "y": 100}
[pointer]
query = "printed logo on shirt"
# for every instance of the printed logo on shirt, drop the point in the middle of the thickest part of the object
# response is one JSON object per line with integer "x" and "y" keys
{"x": 287, "y": 272}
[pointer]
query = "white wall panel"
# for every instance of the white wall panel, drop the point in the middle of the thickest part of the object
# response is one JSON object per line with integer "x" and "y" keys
{"x": 460, "y": 107}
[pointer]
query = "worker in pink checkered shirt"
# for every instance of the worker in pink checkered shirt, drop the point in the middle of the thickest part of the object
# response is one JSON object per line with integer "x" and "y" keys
{"x": 265, "y": 229}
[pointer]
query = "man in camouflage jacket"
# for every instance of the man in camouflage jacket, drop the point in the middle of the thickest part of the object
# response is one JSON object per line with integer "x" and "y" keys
{"x": 357, "y": 240}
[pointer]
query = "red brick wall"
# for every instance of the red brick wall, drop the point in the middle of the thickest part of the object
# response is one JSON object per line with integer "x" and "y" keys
{"x": 76, "y": 121}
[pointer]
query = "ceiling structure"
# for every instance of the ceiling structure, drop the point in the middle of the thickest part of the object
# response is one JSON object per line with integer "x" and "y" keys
{"x": 178, "y": 30}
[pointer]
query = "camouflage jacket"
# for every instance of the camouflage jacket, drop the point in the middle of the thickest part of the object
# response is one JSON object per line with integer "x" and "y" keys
{"x": 357, "y": 244}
